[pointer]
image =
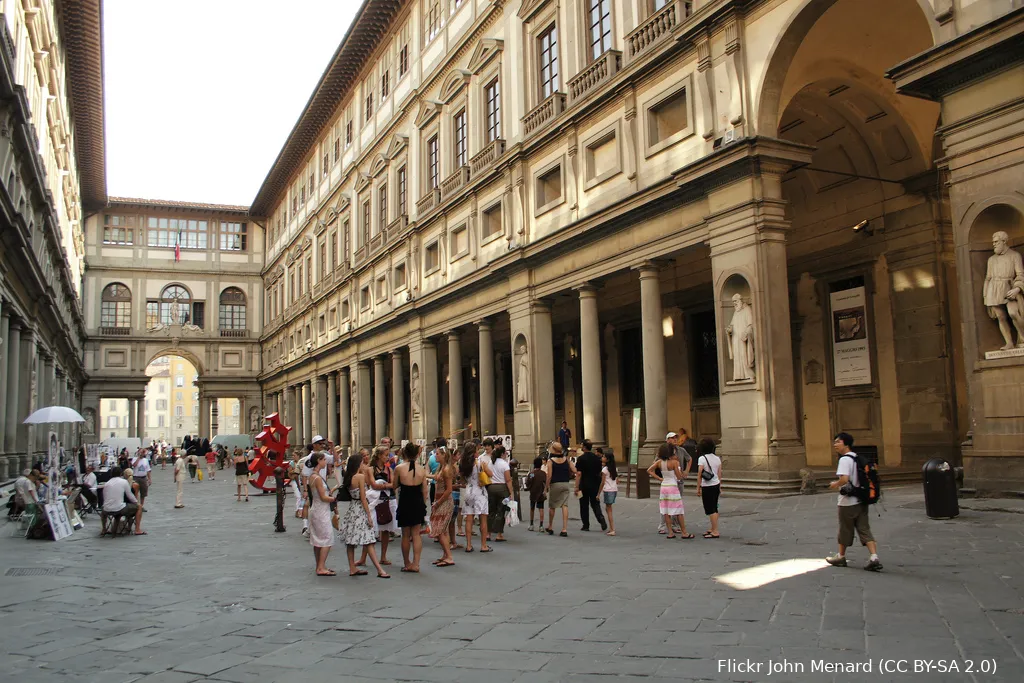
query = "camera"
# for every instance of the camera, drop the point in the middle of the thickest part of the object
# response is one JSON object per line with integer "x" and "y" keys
{"x": 846, "y": 489}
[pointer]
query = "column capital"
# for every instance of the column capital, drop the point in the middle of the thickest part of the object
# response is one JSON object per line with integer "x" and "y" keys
{"x": 543, "y": 305}
{"x": 396, "y": 352}
{"x": 485, "y": 324}
{"x": 453, "y": 334}
{"x": 647, "y": 269}
{"x": 588, "y": 289}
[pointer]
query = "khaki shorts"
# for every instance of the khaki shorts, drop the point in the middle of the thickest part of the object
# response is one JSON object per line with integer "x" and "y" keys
{"x": 241, "y": 479}
{"x": 559, "y": 495}
{"x": 143, "y": 483}
{"x": 854, "y": 517}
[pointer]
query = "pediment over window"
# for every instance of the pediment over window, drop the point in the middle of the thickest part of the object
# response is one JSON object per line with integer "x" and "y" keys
{"x": 379, "y": 164}
{"x": 362, "y": 180}
{"x": 428, "y": 110}
{"x": 454, "y": 83}
{"x": 279, "y": 273}
{"x": 296, "y": 253}
{"x": 343, "y": 204}
{"x": 397, "y": 144}
{"x": 320, "y": 227}
{"x": 332, "y": 215}
{"x": 486, "y": 50}
{"x": 531, "y": 7}
{"x": 307, "y": 242}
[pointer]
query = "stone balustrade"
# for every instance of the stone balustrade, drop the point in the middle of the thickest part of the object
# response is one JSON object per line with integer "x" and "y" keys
{"x": 656, "y": 27}
{"x": 428, "y": 201}
{"x": 544, "y": 113}
{"x": 599, "y": 72}
{"x": 455, "y": 182}
{"x": 486, "y": 157}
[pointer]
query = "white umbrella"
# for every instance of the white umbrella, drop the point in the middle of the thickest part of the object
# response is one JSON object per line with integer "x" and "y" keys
{"x": 54, "y": 414}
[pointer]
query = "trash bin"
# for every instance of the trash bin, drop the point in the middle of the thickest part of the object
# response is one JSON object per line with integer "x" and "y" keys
{"x": 643, "y": 483}
{"x": 940, "y": 495}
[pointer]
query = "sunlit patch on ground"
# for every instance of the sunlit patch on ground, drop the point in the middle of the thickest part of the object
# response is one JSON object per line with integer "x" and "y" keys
{"x": 761, "y": 575}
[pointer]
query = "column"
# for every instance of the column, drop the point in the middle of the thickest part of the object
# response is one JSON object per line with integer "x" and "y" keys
{"x": 344, "y": 409}
{"x": 321, "y": 407}
{"x": 5, "y": 345}
{"x": 141, "y": 419}
{"x": 299, "y": 432}
{"x": 423, "y": 389}
{"x": 590, "y": 365}
{"x": 13, "y": 346}
{"x": 332, "y": 406}
{"x": 133, "y": 418}
{"x": 533, "y": 374}
{"x": 380, "y": 404}
{"x": 544, "y": 374}
{"x": 290, "y": 411}
{"x": 215, "y": 420}
{"x": 488, "y": 416}
{"x": 455, "y": 407}
{"x": 307, "y": 412}
{"x": 24, "y": 444}
{"x": 655, "y": 406}
{"x": 363, "y": 400}
{"x": 204, "y": 417}
{"x": 398, "y": 396}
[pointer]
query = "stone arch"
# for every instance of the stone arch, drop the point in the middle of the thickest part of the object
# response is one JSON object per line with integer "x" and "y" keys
{"x": 178, "y": 351}
{"x": 771, "y": 98}
{"x": 993, "y": 217}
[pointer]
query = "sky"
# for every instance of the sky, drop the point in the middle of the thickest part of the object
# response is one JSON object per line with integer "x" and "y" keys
{"x": 200, "y": 95}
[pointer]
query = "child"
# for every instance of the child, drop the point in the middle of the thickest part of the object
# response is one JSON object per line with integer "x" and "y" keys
{"x": 536, "y": 482}
{"x": 609, "y": 487}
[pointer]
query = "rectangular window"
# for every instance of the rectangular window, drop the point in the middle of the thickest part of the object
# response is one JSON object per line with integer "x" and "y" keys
{"x": 322, "y": 324}
{"x": 399, "y": 278}
{"x": 325, "y": 163}
{"x": 403, "y": 60}
{"x": 549, "y": 187}
{"x": 337, "y": 149}
{"x": 459, "y": 130}
{"x": 385, "y": 76}
{"x": 364, "y": 297}
{"x": 402, "y": 191}
{"x": 333, "y": 318}
{"x": 433, "y": 163}
{"x": 492, "y": 103}
{"x": 118, "y": 230}
{"x": 382, "y": 288}
{"x": 324, "y": 266}
{"x": 334, "y": 250}
{"x": 346, "y": 241}
{"x": 432, "y": 257}
{"x": 344, "y": 310}
{"x": 367, "y": 222}
{"x": 368, "y": 102}
{"x": 382, "y": 206}
{"x": 547, "y": 45}
{"x": 160, "y": 419}
{"x": 179, "y": 381}
{"x": 299, "y": 291}
{"x": 309, "y": 273}
{"x": 434, "y": 18}
{"x": 170, "y": 232}
{"x": 490, "y": 222}
{"x": 116, "y": 314}
{"x": 161, "y": 403}
{"x": 348, "y": 133}
{"x": 667, "y": 117}
{"x": 459, "y": 242}
{"x": 232, "y": 236}
{"x": 179, "y": 411}
{"x": 600, "y": 21}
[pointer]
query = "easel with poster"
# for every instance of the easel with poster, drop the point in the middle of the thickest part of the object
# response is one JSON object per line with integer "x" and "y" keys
{"x": 57, "y": 516}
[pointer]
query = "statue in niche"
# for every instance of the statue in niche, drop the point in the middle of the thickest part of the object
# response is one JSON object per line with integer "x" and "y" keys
{"x": 740, "y": 334}
{"x": 254, "y": 419}
{"x": 90, "y": 421}
{"x": 355, "y": 414}
{"x": 523, "y": 375}
{"x": 175, "y": 312}
{"x": 414, "y": 390}
{"x": 1004, "y": 282}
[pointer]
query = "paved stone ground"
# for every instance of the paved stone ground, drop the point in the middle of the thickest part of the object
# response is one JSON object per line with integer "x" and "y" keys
{"x": 212, "y": 594}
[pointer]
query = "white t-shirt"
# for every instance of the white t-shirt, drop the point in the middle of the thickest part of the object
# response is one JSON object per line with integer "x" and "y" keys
{"x": 142, "y": 467}
{"x": 307, "y": 471}
{"x": 179, "y": 469}
{"x": 498, "y": 469}
{"x": 848, "y": 466}
{"x": 610, "y": 485}
{"x": 711, "y": 462}
{"x": 114, "y": 492}
{"x": 90, "y": 480}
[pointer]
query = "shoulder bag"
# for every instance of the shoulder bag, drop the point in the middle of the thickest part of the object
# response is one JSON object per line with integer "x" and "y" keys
{"x": 707, "y": 474}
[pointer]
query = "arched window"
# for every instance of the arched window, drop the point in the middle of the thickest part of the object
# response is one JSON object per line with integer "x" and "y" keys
{"x": 232, "y": 309}
{"x": 116, "y": 306}
{"x": 175, "y": 299}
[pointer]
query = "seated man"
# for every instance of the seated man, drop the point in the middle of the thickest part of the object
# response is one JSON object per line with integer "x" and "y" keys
{"x": 89, "y": 486}
{"x": 114, "y": 494}
{"x": 25, "y": 492}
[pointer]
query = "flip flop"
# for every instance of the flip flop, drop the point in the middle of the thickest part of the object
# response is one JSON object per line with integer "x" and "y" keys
{"x": 410, "y": 571}
{"x": 359, "y": 572}
{"x": 469, "y": 550}
{"x": 445, "y": 564}
{"x": 668, "y": 537}
{"x": 383, "y": 576}
{"x": 500, "y": 540}
{"x": 487, "y": 550}
{"x": 140, "y": 533}
{"x": 562, "y": 534}
{"x": 686, "y": 537}
{"x": 708, "y": 534}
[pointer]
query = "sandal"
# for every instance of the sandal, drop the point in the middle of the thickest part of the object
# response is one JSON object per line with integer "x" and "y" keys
{"x": 668, "y": 537}
{"x": 563, "y": 534}
{"x": 469, "y": 550}
{"x": 358, "y": 572}
{"x": 383, "y": 576}
{"x": 410, "y": 571}
{"x": 445, "y": 564}
{"x": 550, "y": 531}
{"x": 488, "y": 549}
{"x": 708, "y": 534}
{"x": 686, "y": 537}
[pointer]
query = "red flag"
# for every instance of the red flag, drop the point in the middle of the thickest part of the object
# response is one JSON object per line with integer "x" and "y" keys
{"x": 177, "y": 247}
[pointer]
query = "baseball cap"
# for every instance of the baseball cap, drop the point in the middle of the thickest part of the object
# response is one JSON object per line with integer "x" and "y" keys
{"x": 317, "y": 438}
{"x": 670, "y": 435}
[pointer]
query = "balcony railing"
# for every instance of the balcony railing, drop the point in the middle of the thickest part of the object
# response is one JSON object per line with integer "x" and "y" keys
{"x": 455, "y": 181}
{"x": 115, "y": 331}
{"x": 544, "y": 113}
{"x": 656, "y": 27}
{"x": 361, "y": 254}
{"x": 234, "y": 333}
{"x": 428, "y": 201}
{"x": 486, "y": 157}
{"x": 599, "y": 72}
{"x": 395, "y": 228}
{"x": 376, "y": 242}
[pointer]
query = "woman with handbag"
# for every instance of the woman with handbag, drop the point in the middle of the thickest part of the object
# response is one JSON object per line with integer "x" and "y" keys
{"x": 384, "y": 510}
{"x": 709, "y": 483}
{"x": 321, "y": 531}
{"x": 475, "y": 474}
{"x": 498, "y": 490}
{"x": 356, "y": 527}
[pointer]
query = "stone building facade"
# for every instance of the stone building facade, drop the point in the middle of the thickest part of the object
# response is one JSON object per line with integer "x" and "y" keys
{"x": 179, "y": 280}
{"x": 745, "y": 218}
{"x": 51, "y": 177}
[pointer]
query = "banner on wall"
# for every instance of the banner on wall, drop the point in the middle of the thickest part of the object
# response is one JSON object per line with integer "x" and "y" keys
{"x": 851, "y": 355}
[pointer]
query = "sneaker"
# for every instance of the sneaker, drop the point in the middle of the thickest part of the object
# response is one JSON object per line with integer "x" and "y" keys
{"x": 873, "y": 566}
{"x": 531, "y": 528}
{"x": 836, "y": 560}
{"x": 305, "y": 532}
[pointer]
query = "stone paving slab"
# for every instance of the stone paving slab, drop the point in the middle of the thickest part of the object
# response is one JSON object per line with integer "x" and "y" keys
{"x": 213, "y": 594}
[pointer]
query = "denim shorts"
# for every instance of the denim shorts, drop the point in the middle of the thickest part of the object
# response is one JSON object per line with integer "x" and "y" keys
{"x": 609, "y": 497}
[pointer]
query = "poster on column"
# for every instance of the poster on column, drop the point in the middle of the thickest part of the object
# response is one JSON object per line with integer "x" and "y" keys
{"x": 92, "y": 455}
{"x": 504, "y": 439}
{"x": 851, "y": 356}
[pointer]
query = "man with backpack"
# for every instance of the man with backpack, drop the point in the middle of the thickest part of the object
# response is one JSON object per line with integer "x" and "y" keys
{"x": 858, "y": 488}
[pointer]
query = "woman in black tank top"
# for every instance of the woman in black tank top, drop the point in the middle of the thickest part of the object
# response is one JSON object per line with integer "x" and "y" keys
{"x": 241, "y": 475}
{"x": 412, "y": 505}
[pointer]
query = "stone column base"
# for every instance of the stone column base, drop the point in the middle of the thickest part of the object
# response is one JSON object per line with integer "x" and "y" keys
{"x": 994, "y": 475}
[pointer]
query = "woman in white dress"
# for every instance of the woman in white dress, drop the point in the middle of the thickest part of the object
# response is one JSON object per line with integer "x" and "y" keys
{"x": 356, "y": 527}
{"x": 321, "y": 532}
{"x": 474, "y": 496}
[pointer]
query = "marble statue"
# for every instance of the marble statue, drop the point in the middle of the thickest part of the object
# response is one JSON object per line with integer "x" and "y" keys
{"x": 254, "y": 419}
{"x": 740, "y": 333}
{"x": 414, "y": 389}
{"x": 1004, "y": 283}
{"x": 90, "y": 422}
{"x": 523, "y": 377}
{"x": 175, "y": 312}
